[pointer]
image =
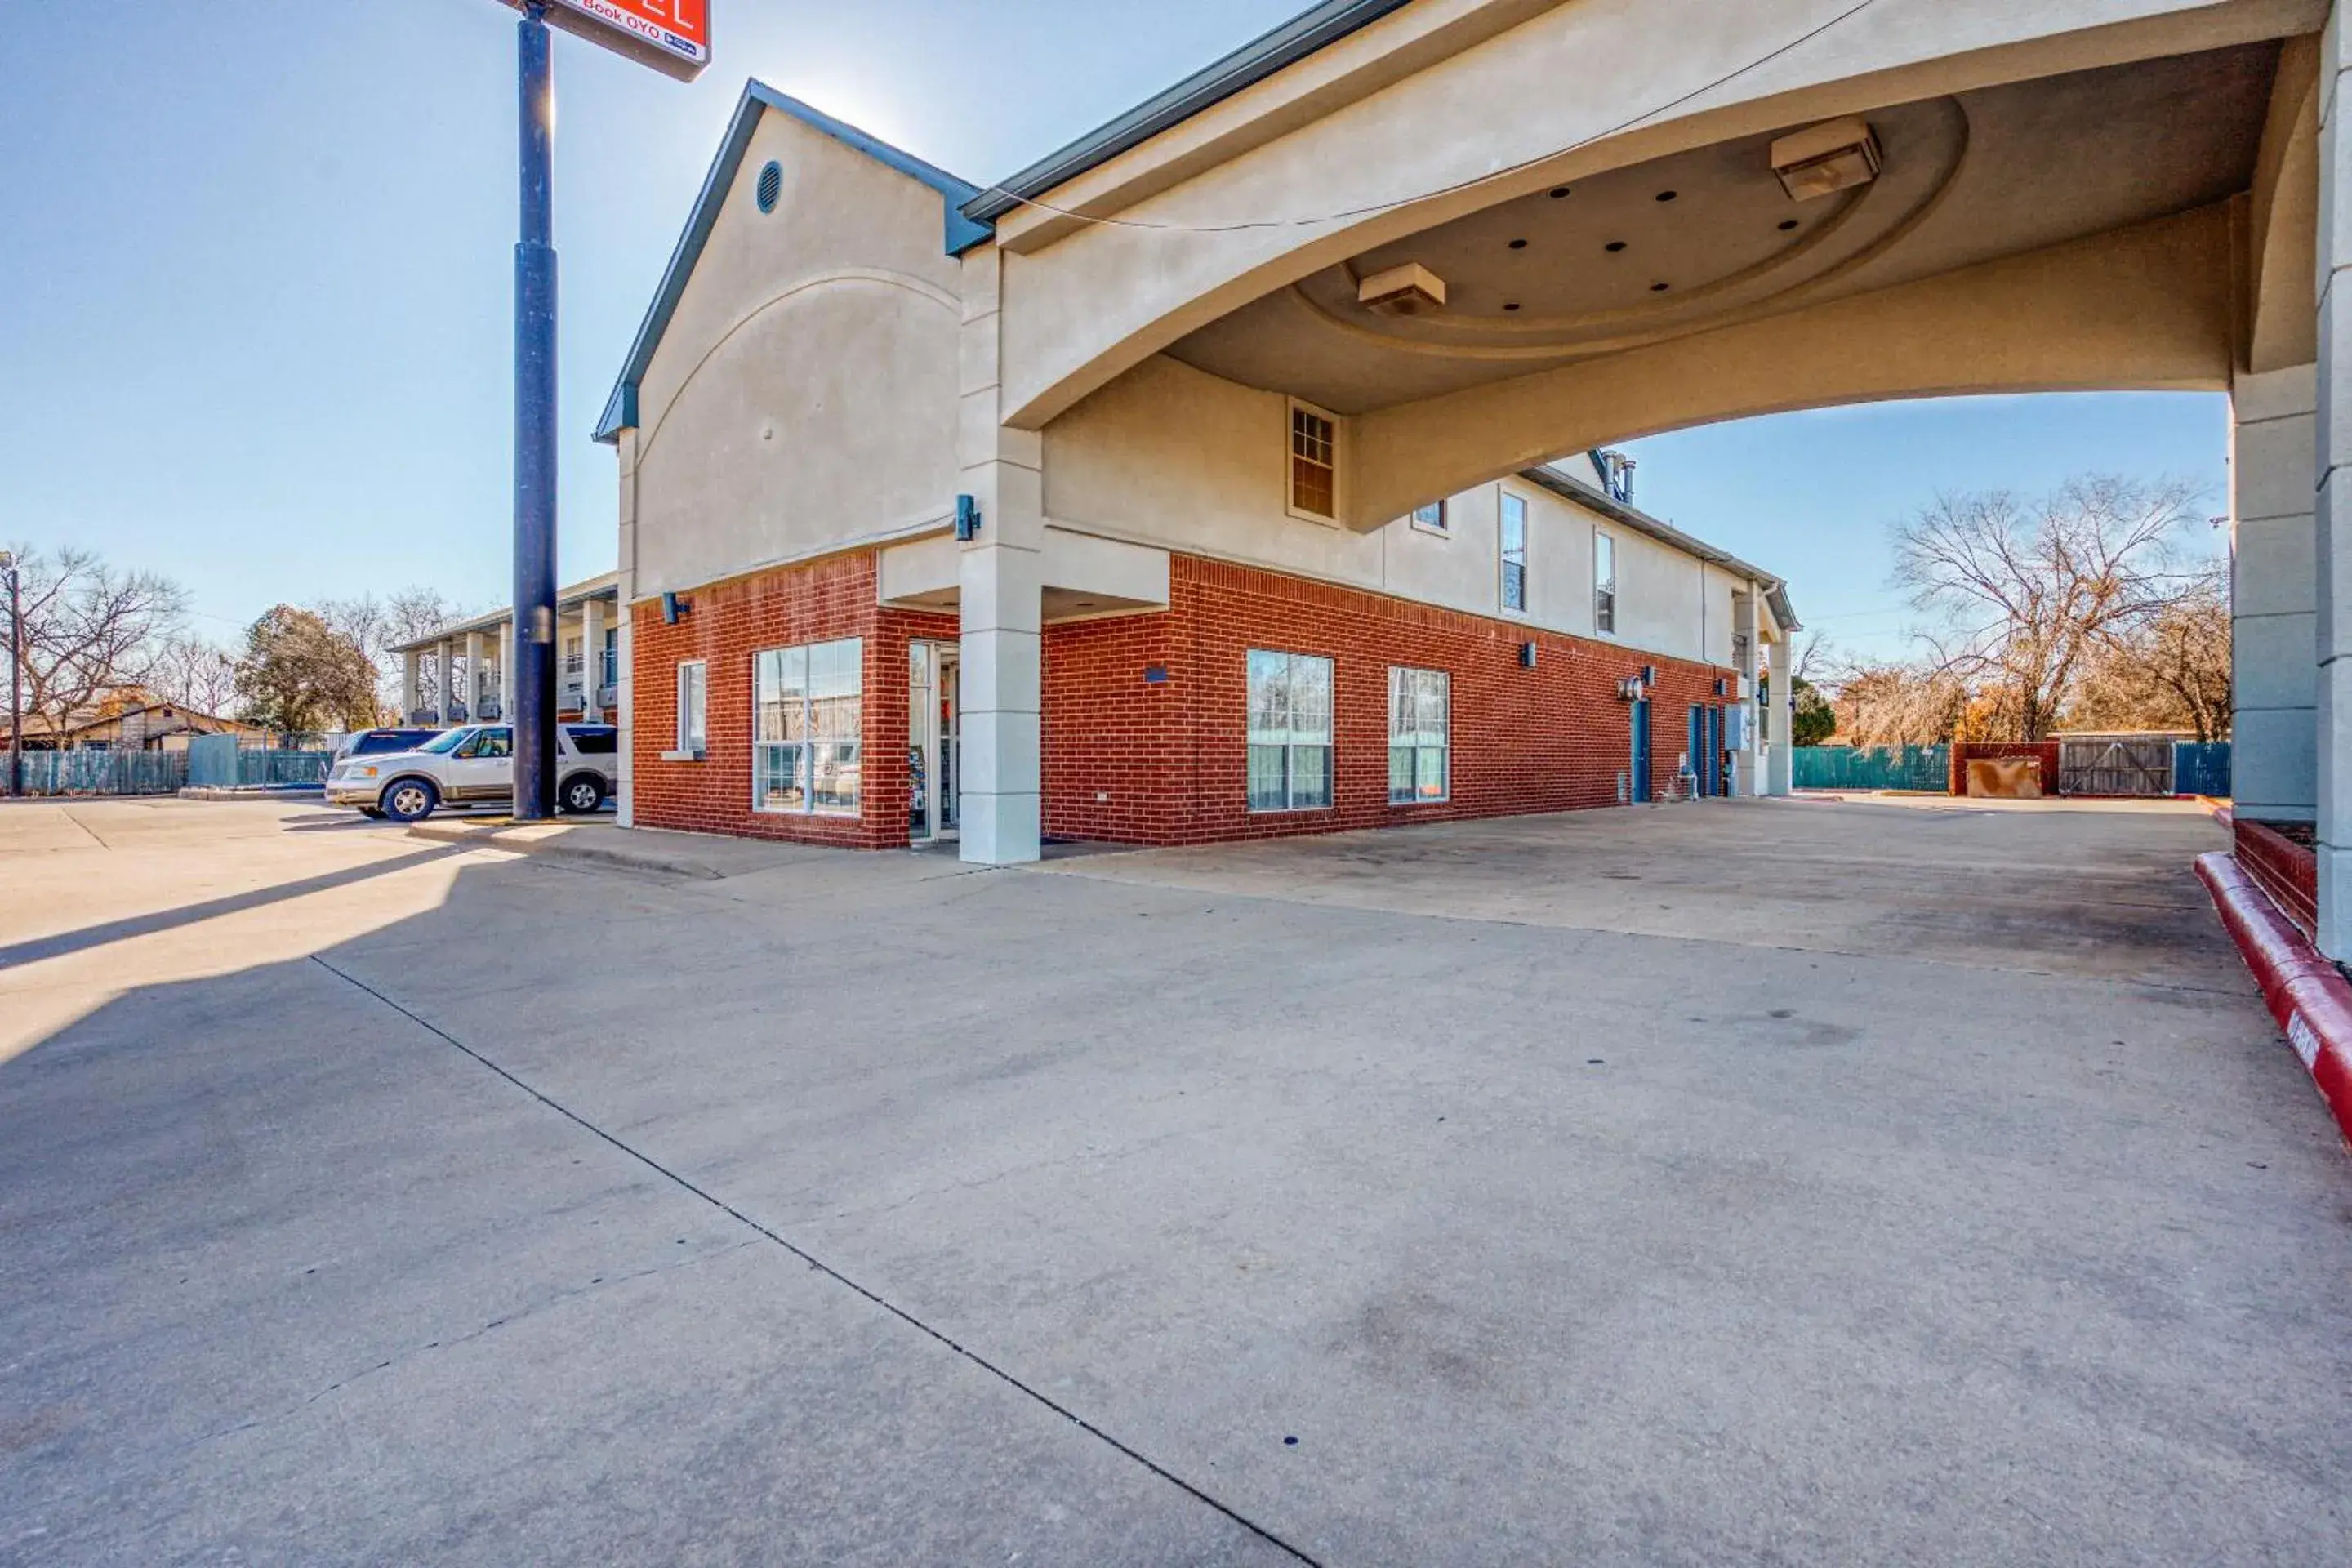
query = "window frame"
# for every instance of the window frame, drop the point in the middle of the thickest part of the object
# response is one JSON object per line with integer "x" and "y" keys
{"x": 809, "y": 740}
{"x": 1605, "y": 590}
{"x": 1293, "y": 408}
{"x": 1505, "y": 501}
{"x": 694, "y": 744}
{"x": 1442, "y": 527}
{"x": 1289, "y": 748}
{"x": 1443, "y": 748}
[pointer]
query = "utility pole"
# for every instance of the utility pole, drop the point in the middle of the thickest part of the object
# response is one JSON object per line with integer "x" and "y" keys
{"x": 533, "y": 720}
{"x": 16, "y": 674}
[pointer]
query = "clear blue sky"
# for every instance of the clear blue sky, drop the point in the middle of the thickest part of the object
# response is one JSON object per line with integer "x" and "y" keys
{"x": 256, "y": 256}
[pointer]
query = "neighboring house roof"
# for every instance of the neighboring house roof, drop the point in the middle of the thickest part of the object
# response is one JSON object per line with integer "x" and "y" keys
{"x": 605, "y": 586}
{"x": 1316, "y": 27}
{"x": 961, "y": 232}
{"x": 113, "y": 710}
{"x": 1564, "y": 482}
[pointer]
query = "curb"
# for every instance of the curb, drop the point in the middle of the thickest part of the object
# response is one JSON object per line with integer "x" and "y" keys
{"x": 2307, "y": 994}
{"x": 254, "y": 792}
{"x": 561, "y": 849}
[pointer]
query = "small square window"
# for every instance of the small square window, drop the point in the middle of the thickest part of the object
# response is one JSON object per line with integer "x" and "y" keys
{"x": 1314, "y": 463}
{"x": 1433, "y": 518}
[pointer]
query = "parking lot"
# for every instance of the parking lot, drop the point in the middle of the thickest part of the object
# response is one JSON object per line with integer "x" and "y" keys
{"x": 1749, "y": 1182}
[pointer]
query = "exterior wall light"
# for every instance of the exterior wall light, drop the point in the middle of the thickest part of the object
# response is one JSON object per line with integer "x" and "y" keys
{"x": 1824, "y": 159}
{"x": 1408, "y": 290}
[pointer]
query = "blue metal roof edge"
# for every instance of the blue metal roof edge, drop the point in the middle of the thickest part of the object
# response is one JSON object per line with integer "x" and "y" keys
{"x": 1315, "y": 28}
{"x": 959, "y": 235}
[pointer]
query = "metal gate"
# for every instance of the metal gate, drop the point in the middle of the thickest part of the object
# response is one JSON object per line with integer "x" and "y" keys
{"x": 2114, "y": 767}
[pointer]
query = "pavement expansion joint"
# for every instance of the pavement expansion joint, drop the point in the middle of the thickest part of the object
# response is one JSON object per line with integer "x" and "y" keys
{"x": 1034, "y": 1395}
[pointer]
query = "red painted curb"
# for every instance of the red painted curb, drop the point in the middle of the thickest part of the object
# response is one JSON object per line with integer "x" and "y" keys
{"x": 2307, "y": 994}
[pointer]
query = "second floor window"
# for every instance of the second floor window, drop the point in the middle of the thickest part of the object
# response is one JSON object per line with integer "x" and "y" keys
{"x": 1605, "y": 583}
{"x": 1431, "y": 517}
{"x": 1314, "y": 463}
{"x": 1515, "y": 552}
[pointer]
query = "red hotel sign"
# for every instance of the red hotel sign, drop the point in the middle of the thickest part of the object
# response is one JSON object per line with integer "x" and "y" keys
{"x": 672, "y": 36}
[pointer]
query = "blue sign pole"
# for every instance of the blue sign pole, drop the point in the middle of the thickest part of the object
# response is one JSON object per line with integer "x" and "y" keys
{"x": 533, "y": 720}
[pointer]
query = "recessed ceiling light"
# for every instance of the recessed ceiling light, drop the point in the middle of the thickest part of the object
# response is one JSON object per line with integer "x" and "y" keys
{"x": 1557, "y": 191}
{"x": 1614, "y": 245}
{"x": 1668, "y": 195}
{"x": 1787, "y": 224}
{"x": 1510, "y": 305}
{"x": 1518, "y": 244}
{"x": 1660, "y": 288}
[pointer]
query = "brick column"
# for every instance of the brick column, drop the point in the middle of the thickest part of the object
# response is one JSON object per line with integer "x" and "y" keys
{"x": 1001, "y": 577}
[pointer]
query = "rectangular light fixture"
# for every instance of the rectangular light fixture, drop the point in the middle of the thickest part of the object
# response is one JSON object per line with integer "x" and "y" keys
{"x": 1824, "y": 159}
{"x": 1406, "y": 291}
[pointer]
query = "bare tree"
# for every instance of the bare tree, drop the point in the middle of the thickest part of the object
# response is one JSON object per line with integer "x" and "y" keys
{"x": 89, "y": 629}
{"x": 2168, "y": 670}
{"x": 378, "y": 627}
{"x": 1892, "y": 704}
{"x": 2024, "y": 596}
{"x": 196, "y": 674}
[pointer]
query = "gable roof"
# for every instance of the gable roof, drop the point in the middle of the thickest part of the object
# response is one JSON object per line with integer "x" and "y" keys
{"x": 960, "y": 232}
{"x": 1570, "y": 486}
{"x": 1316, "y": 27}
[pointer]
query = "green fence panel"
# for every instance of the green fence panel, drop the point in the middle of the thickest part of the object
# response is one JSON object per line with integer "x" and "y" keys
{"x": 105, "y": 772}
{"x": 275, "y": 767}
{"x": 1874, "y": 767}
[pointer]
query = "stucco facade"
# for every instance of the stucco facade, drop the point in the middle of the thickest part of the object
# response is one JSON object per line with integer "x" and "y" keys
{"x": 1100, "y": 351}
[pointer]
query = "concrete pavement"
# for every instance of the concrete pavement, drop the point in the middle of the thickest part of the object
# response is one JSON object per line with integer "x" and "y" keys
{"x": 1789, "y": 1204}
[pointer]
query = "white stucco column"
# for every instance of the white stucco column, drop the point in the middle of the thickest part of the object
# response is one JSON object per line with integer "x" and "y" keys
{"x": 2333, "y": 430}
{"x": 444, "y": 661}
{"x": 1780, "y": 763}
{"x": 410, "y": 697}
{"x": 625, "y": 786}
{"x": 2273, "y": 594}
{"x": 1000, "y": 803}
{"x": 506, "y": 672}
{"x": 473, "y": 675}
{"x": 591, "y": 659}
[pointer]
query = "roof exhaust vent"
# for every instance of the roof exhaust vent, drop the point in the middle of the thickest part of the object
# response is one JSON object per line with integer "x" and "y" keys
{"x": 1824, "y": 159}
{"x": 1412, "y": 289}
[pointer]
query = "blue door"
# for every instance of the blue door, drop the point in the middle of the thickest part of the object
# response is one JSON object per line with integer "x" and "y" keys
{"x": 1697, "y": 750}
{"x": 1714, "y": 779}
{"x": 1642, "y": 750}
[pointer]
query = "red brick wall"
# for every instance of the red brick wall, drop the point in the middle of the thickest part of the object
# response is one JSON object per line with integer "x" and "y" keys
{"x": 2287, "y": 871}
{"x": 1171, "y": 757}
{"x": 727, "y": 623}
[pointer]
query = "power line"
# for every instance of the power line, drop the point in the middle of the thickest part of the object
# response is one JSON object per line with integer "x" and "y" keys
{"x": 1672, "y": 103}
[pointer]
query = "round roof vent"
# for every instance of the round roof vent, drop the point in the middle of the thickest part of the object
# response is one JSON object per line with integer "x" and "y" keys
{"x": 772, "y": 186}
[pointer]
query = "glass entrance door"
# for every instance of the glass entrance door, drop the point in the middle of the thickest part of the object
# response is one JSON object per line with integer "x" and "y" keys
{"x": 933, "y": 741}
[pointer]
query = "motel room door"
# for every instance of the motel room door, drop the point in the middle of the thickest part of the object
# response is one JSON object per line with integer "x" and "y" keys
{"x": 934, "y": 741}
{"x": 1641, "y": 751}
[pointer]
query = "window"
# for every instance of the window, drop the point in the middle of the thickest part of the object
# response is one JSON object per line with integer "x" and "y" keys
{"x": 493, "y": 742}
{"x": 571, "y": 660}
{"x": 807, "y": 719}
{"x": 1432, "y": 518}
{"x": 1604, "y": 583}
{"x": 693, "y": 690}
{"x": 1314, "y": 463}
{"x": 611, "y": 674}
{"x": 1515, "y": 552}
{"x": 1290, "y": 731}
{"x": 1420, "y": 712}
{"x": 594, "y": 739}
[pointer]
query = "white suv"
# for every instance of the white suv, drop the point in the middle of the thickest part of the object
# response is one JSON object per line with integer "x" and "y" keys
{"x": 473, "y": 764}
